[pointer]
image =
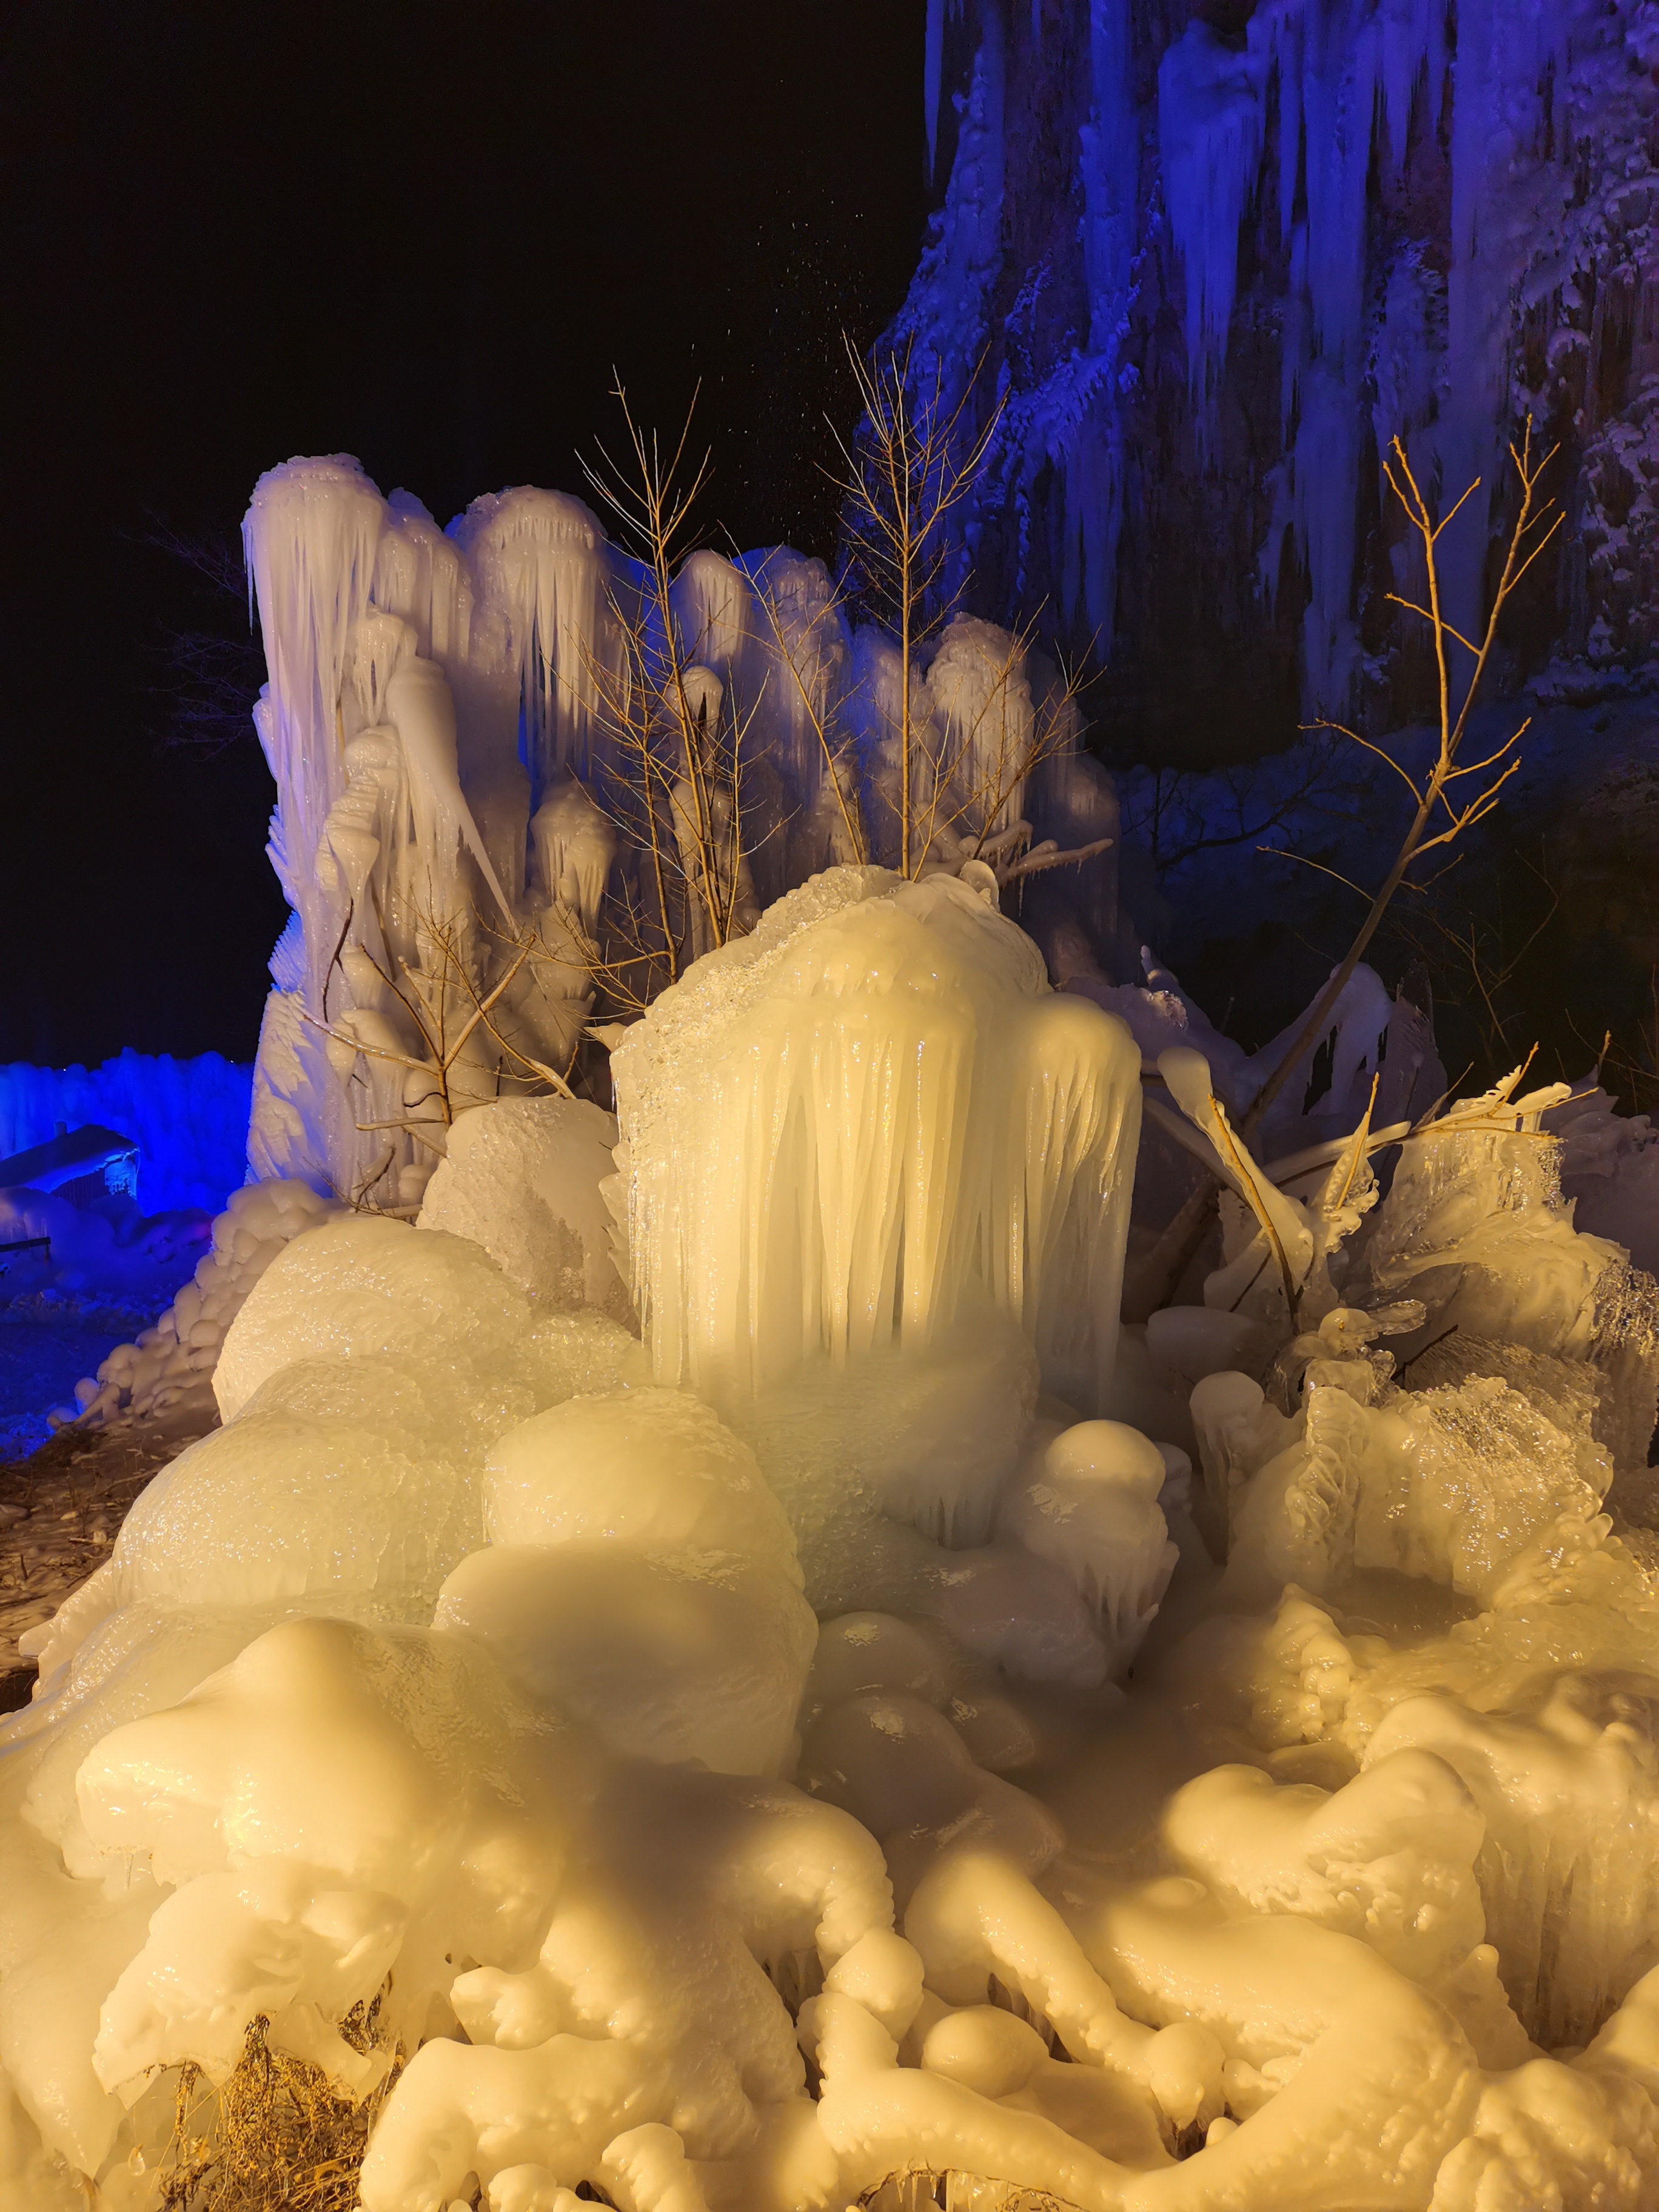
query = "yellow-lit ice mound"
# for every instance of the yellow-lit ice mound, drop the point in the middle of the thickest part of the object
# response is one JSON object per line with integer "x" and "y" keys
{"x": 641, "y": 1576}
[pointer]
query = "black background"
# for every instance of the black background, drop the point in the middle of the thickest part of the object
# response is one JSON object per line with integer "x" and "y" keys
{"x": 231, "y": 233}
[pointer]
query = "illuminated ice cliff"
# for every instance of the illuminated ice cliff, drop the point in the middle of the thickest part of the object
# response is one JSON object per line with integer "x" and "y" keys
{"x": 1214, "y": 255}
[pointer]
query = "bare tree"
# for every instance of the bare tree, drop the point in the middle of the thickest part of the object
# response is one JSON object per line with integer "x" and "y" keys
{"x": 675, "y": 743}
{"x": 912, "y": 462}
{"x": 427, "y": 1043}
{"x": 1444, "y": 806}
{"x": 1443, "y": 789}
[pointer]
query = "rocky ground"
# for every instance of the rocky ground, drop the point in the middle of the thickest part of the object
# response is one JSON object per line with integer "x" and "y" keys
{"x": 60, "y": 1508}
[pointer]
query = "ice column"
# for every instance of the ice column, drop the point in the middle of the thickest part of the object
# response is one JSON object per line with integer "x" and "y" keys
{"x": 310, "y": 539}
{"x": 1210, "y": 125}
{"x": 986, "y": 727}
{"x": 541, "y": 558}
{"x": 845, "y": 1130}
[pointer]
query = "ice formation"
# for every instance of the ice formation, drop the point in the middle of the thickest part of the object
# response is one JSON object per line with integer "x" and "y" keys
{"x": 520, "y": 773}
{"x": 865, "y": 1729}
{"x": 523, "y": 779}
{"x": 169, "y": 1370}
{"x": 524, "y": 1179}
{"x": 1212, "y": 261}
{"x": 873, "y": 1111}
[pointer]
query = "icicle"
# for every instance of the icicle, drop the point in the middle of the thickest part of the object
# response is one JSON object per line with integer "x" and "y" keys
{"x": 1335, "y": 73}
{"x": 971, "y": 240}
{"x": 794, "y": 668}
{"x": 1338, "y": 99}
{"x": 420, "y": 576}
{"x": 1109, "y": 146}
{"x": 541, "y": 561}
{"x": 310, "y": 536}
{"x": 1499, "y": 57}
{"x": 931, "y": 73}
{"x": 981, "y": 700}
{"x": 1282, "y": 38}
{"x": 419, "y": 702}
{"x": 713, "y": 613}
{"x": 1404, "y": 46}
{"x": 1210, "y": 100}
{"x": 377, "y": 643}
{"x": 575, "y": 845}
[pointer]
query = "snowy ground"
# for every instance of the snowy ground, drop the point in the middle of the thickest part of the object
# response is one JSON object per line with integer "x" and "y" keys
{"x": 41, "y": 1360}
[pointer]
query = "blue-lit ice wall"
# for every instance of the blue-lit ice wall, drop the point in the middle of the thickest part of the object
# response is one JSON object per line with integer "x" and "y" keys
{"x": 188, "y": 1117}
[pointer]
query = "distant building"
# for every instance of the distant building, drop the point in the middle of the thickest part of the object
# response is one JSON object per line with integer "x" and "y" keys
{"x": 81, "y": 1166}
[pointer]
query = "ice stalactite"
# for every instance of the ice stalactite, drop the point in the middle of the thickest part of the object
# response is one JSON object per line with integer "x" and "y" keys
{"x": 419, "y": 702}
{"x": 1346, "y": 78}
{"x": 886, "y": 1117}
{"x": 542, "y": 558}
{"x": 713, "y": 610}
{"x": 932, "y": 63}
{"x": 1211, "y": 121}
{"x": 1071, "y": 423}
{"x": 1109, "y": 146}
{"x": 311, "y": 536}
{"x": 420, "y": 576}
{"x": 1399, "y": 203}
{"x": 575, "y": 844}
{"x": 945, "y": 317}
{"x": 985, "y": 727}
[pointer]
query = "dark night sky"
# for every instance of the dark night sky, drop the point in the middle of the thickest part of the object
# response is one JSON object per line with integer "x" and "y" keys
{"x": 424, "y": 236}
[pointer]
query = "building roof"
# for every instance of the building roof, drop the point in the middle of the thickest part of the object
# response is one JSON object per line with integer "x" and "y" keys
{"x": 62, "y": 1158}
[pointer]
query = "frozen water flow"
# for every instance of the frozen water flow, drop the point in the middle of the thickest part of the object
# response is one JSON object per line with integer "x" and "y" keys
{"x": 876, "y": 1102}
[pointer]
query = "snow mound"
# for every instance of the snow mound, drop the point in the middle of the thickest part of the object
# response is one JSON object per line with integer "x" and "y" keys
{"x": 521, "y": 1177}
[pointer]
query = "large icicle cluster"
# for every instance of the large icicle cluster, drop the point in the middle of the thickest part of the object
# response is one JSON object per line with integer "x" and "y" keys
{"x": 475, "y": 810}
{"x": 453, "y": 1723}
{"x": 1444, "y": 219}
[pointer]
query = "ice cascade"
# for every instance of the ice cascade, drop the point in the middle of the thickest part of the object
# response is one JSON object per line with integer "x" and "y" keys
{"x": 844, "y": 1129}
